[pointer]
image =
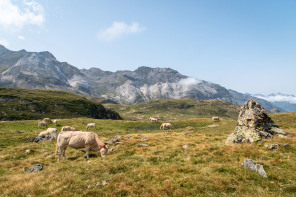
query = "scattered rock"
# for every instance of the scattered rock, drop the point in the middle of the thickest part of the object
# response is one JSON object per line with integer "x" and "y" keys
{"x": 128, "y": 136}
{"x": 116, "y": 143}
{"x": 142, "y": 145}
{"x": 273, "y": 146}
{"x": 28, "y": 151}
{"x": 249, "y": 163}
{"x": 144, "y": 139}
{"x": 48, "y": 156}
{"x": 213, "y": 125}
{"x": 186, "y": 146}
{"x": 35, "y": 168}
{"x": 110, "y": 149}
{"x": 189, "y": 132}
{"x": 253, "y": 124}
{"x": 104, "y": 183}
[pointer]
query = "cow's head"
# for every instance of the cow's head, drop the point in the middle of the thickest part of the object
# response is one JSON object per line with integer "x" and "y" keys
{"x": 104, "y": 150}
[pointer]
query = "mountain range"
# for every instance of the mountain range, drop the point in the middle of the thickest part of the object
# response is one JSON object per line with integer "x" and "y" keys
{"x": 41, "y": 70}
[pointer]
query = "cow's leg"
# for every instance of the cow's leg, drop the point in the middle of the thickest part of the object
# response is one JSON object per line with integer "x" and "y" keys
{"x": 59, "y": 154}
{"x": 64, "y": 153}
{"x": 87, "y": 150}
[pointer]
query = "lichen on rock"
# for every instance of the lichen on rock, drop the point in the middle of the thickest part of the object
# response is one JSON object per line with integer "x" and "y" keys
{"x": 254, "y": 124}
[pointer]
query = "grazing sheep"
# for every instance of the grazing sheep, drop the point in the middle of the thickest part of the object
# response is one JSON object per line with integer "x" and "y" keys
{"x": 153, "y": 119}
{"x": 68, "y": 128}
{"x": 47, "y": 120}
{"x": 166, "y": 125}
{"x": 91, "y": 125}
{"x": 79, "y": 139}
{"x": 215, "y": 118}
{"x": 42, "y": 123}
{"x": 55, "y": 122}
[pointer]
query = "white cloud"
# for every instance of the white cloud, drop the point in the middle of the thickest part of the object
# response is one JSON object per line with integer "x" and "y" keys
{"x": 4, "y": 43}
{"x": 278, "y": 97}
{"x": 15, "y": 17}
{"x": 21, "y": 37}
{"x": 119, "y": 29}
{"x": 189, "y": 81}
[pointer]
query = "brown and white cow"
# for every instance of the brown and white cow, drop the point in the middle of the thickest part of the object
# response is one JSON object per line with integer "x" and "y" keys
{"x": 79, "y": 139}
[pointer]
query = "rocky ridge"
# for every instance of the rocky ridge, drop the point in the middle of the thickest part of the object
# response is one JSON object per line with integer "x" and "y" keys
{"x": 31, "y": 70}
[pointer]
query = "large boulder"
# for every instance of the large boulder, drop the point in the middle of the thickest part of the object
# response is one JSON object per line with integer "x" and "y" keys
{"x": 254, "y": 124}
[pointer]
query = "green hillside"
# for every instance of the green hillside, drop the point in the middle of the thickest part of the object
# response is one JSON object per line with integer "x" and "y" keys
{"x": 208, "y": 167}
{"x": 176, "y": 109}
{"x": 24, "y": 104}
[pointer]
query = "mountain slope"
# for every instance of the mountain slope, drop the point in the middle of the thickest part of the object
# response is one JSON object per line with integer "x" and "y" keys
{"x": 31, "y": 70}
{"x": 176, "y": 109}
{"x": 22, "y": 104}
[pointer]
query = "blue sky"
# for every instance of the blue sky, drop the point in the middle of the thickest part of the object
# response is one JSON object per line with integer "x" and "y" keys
{"x": 245, "y": 45}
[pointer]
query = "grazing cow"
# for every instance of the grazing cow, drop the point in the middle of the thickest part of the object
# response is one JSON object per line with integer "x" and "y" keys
{"x": 215, "y": 118}
{"x": 68, "y": 128}
{"x": 79, "y": 139}
{"x": 153, "y": 119}
{"x": 91, "y": 125}
{"x": 42, "y": 123}
{"x": 166, "y": 125}
{"x": 55, "y": 122}
{"x": 49, "y": 131}
{"x": 47, "y": 120}
{"x": 52, "y": 133}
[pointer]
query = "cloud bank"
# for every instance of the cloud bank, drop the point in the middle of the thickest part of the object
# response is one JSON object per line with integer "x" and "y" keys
{"x": 15, "y": 17}
{"x": 4, "y": 43}
{"x": 278, "y": 98}
{"x": 189, "y": 81}
{"x": 118, "y": 30}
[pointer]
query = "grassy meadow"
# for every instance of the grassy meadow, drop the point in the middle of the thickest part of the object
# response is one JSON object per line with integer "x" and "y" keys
{"x": 164, "y": 168}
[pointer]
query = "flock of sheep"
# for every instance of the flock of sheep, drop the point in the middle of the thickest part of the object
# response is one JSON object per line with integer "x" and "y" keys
{"x": 72, "y": 137}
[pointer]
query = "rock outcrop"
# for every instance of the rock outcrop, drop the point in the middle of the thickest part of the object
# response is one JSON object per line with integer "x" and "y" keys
{"x": 254, "y": 124}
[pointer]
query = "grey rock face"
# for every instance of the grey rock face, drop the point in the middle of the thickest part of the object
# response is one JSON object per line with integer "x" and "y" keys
{"x": 253, "y": 124}
{"x": 249, "y": 163}
{"x": 35, "y": 168}
{"x": 31, "y": 70}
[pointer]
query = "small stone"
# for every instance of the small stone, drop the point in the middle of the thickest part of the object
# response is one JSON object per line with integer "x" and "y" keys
{"x": 128, "y": 136}
{"x": 35, "y": 168}
{"x": 48, "y": 156}
{"x": 144, "y": 139}
{"x": 117, "y": 143}
{"x": 28, "y": 151}
{"x": 286, "y": 144}
{"x": 110, "y": 149}
{"x": 104, "y": 183}
{"x": 142, "y": 145}
{"x": 273, "y": 146}
{"x": 213, "y": 125}
{"x": 186, "y": 146}
{"x": 249, "y": 163}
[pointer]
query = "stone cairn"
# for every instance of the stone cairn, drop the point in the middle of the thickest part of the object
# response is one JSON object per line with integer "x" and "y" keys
{"x": 254, "y": 124}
